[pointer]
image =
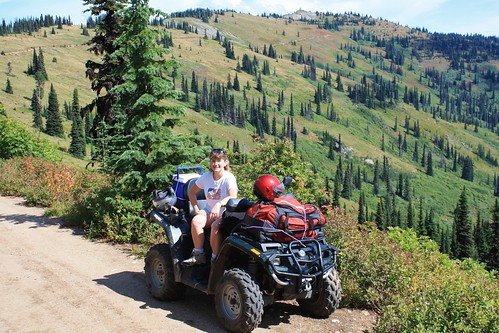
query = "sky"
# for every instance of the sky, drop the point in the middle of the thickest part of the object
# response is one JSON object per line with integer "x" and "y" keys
{"x": 447, "y": 16}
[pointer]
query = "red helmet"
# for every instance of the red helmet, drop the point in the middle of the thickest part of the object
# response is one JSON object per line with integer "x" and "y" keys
{"x": 267, "y": 187}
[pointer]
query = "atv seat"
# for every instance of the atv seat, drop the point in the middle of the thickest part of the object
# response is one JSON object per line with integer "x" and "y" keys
{"x": 199, "y": 196}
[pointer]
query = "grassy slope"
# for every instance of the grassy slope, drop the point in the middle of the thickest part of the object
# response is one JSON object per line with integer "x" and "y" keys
{"x": 365, "y": 129}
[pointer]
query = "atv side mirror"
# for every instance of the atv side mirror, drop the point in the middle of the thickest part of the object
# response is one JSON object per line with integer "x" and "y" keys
{"x": 287, "y": 181}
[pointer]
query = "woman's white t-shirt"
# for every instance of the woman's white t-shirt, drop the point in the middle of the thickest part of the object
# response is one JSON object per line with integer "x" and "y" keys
{"x": 216, "y": 190}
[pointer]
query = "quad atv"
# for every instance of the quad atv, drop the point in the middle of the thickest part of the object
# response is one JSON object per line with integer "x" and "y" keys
{"x": 248, "y": 274}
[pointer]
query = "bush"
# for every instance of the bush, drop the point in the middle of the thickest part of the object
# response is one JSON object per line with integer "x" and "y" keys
{"x": 16, "y": 141}
{"x": 106, "y": 214}
{"x": 411, "y": 286}
{"x": 48, "y": 184}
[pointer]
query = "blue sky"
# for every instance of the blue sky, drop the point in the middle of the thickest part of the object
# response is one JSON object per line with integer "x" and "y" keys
{"x": 460, "y": 16}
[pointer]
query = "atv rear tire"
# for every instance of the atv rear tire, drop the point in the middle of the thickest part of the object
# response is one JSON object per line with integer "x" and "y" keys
{"x": 327, "y": 300}
{"x": 159, "y": 274}
{"x": 238, "y": 301}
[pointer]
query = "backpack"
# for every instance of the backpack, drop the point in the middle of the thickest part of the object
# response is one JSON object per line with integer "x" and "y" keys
{"x": 283, "y": 220}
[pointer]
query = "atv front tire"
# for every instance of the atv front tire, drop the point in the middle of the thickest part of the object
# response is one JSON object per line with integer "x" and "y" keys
{"x": 326, "y": 301}
{"x": 238, "y": 301}
{"x": 159, "y": 274}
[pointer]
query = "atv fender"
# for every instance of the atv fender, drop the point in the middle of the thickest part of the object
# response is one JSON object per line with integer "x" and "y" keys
{"x": 234, "y": 252}
{"x": 178, "y": 232}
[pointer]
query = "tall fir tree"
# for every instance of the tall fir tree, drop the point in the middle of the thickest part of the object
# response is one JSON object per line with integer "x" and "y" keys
{"x": 40, "y": 68}
{"x": 103, "y": 75}
{"x": 410, "y": 215}
{"x": 465, "y": 245}
{"x": 37, "y": 111}
{"x": 145, "y": 149}
{"x": 8, "y": 87}
{"x": 380, "y": 217}
{"x": 429, "y": 164}
{"x": 361, "y": 218}
{"x": 336, "y": 189}
{"x": 494, "y": 239}
{"x": 376, "y": 178}
{"x": 53, "y": 124}
{"x": 77, "y": 145}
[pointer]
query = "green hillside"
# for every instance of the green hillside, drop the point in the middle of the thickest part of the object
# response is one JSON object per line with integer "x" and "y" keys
{"x": 370, "y": 55}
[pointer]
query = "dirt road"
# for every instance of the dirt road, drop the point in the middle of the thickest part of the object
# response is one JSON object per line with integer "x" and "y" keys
{"x": 52, "y": 279}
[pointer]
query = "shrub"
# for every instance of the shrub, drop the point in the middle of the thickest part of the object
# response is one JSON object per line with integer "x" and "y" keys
{"x": 48, "y": 184}
{"x": 412, "y": 286}
{"x": 107, "y": 214}
{"x": 16, "y": 141}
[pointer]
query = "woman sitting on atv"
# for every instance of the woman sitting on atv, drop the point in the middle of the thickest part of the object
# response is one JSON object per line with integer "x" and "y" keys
{"x": 219, "y": 186}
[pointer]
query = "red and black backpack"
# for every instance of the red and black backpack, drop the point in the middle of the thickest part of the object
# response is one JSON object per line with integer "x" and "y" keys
{"x": 284, "y": 219}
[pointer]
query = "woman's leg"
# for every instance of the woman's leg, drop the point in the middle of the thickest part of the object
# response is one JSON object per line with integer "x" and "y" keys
{"x": 215, "y": 237}
{"x": 198, "y": 224}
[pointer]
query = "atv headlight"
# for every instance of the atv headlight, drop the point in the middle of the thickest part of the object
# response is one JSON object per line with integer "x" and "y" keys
{"x": 276, "y": 261}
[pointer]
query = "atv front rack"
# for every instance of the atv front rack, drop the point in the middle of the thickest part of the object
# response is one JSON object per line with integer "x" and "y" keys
{"x": 305, "y": 260}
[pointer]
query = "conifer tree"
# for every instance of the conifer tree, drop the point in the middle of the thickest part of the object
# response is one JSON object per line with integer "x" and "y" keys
{"x": 102, "y": 74}
{"x": 346, "y": 191}
{"x": 8, "y": 87}
{"x": 77, "y": 145}
{"x": 40, "y": 66}
{"x": 236, "y": 86}
{"x": 145, "y": 148}
{"x": 410, "y": 215}
{"x": 429, "y": 164}
{"x": 37, "y": 111}
{"x": 494, "y": 239}
{"x": 380, "y": 217}
{"x": 362, "y": 202}
{"x": 431, "y": 226}
{"x": 465, "y": 245}
{"x": 53, "y": 125}
{"x": 421, "y": 220}
{"x": 376, "y": 178}
{"x": 415, "y": 153}
{"x": 468, "y": 169}
{"x": 482, "y": 235}
{"x": 336, "y": 190}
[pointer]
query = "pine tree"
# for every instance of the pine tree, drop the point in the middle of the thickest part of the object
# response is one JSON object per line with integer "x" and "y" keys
{"x": 236, "y": 86}
{"x": 421, "y": 230}
{"x": 376, "y": 178}
{"x": 481, "y": 236}
{"x": 464, "y": 234}
{"x": 362, "y": 202}
{"x": 53, "y": 125}
{"x": 346, "y": 191}
{"x": 410, "y": 216}
{"x": 429, "y": 164}
{"x": 380, "y": 217}
{"x": 431, "y": 226}
{"x": 102, "y": 75}
{"x": 468, "y": 169}
{"x": 494, "y": 239}
{"x": 8, "y": 87}
{"x": 415, "y": 153}
{"x": 37, "y": 111}
{"x": 145, "y": 145}
{"x": 336, "y": 190}
{"x": 77, "y": 145}
{"x": 40, "y": 66}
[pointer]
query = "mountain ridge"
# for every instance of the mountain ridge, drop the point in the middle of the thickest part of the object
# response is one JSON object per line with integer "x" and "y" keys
{"x": 357, "y": 50}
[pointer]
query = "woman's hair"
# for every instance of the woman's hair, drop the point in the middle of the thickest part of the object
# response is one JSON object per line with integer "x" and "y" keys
{"x": 217, "y": 154}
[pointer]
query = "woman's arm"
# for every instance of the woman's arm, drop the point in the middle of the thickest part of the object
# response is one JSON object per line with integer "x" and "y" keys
{"x": 193, "y": 197}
